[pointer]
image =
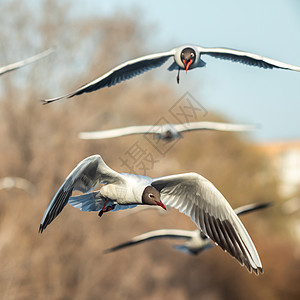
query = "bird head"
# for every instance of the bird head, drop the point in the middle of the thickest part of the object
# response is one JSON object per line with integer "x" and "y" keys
{"x": 151, "y": 196}
{"x": 188, "y": 56}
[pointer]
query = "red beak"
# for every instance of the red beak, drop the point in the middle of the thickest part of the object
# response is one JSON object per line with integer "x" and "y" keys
{"x": 187, "y": 64}
{"x": 161, "y": 205}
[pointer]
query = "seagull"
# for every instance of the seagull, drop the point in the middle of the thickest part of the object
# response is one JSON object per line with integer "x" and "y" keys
{"x": 17, "y": 182}
{"x": 186, "y": 57}
{"x": 25, "y": 62}
{"x": 196, "y": 240}
{"x": 190, "y": 193}
{"x": 166, "y": 132}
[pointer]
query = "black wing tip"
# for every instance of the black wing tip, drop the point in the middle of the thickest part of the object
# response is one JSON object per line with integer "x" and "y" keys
{"x": 42, "y": 228}
{"x": 265, "y": 204}
{"x": 258, "y": 271}
{"x": 106, "y": 251}
{"x": 119, "y": 247}
{"x": 44, "y": 102}
{"x": 47, "y": 101}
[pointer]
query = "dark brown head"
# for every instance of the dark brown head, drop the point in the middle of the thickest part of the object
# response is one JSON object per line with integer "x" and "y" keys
{"x": 188, "y": 56}
{"x": 151, "y": 196}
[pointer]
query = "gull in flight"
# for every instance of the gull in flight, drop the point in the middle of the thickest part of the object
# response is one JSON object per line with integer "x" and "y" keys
{"x": 186, "y": 57}
{"x": 166, "y": 132}
{"x": 25, "y": 62}
{"x": 8, "y": 183}
{"x": 190, "y": 193}
{"x": 196, "y": 241}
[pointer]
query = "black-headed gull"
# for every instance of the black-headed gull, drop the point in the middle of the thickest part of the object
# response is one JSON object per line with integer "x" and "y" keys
{"x": 186, "y": 57}
{"x": 196, "y": 240}
{"x": 190, "y": 193}
{"x": 167, "y": 132}
{"x": 24, "y": 62}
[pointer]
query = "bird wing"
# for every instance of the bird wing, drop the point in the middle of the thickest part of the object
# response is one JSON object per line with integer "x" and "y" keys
{"x": 94, "y": 201}
{"x": 247, "y": 58}
{"x": 213, "y": 126}
{"x": 88, "y": 174}
{"x": 112, "y": 133}
{"x": 24, "y": 62}
{"x": 120, "y": 73}
{"x": 251, "y": 207}
{"x": 156, "y": 234}
{"x": 191, "y": 251}
{"x": 198, "y": 198}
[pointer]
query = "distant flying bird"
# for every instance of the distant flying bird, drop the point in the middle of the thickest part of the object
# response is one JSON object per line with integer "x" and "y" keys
{"x": 164, "y": 132}
{"x": 196, "y": 240}
{"x": 186, "y": 57}
{"x": 190, "y": 193}
{"x": 17, "y": 182}
{"x": 25, "y": 62}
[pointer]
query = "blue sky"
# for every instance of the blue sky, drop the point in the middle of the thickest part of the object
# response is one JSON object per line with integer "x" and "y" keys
{"x": 270, "y": 28}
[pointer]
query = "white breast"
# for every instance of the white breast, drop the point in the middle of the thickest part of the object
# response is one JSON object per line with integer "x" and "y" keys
{"x": 128, "y": 193}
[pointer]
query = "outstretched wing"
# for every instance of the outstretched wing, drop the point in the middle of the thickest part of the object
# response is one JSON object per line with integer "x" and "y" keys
{"x": 251, "y": 207}
{"x": 247, "y": 58}
{"x": 198, "y": 198}
{"x": 156, "y": 234}
{"x": 112, "y": 133}
{"x": 120, "y": 73}
{"x": 87, "y": 175}
{"x": 213, "y": 126}
{"x": 24, "y": 62}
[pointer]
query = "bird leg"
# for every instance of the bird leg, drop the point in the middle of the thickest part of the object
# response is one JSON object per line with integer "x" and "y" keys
{"x": 105, "y": 209}
{"x": 102, "y": 210}
{"x": 178, "y": 76}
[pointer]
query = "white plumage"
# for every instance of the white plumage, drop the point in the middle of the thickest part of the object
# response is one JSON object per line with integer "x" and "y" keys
{"x": 166, "y": 131}
{"x": 25, "y": 62}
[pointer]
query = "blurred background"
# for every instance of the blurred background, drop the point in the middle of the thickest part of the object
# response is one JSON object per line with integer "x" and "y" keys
{"x": 40, "y": 143}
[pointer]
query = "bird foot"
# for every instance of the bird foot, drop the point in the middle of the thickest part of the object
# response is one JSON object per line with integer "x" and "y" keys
{"x": 105, "y": 209}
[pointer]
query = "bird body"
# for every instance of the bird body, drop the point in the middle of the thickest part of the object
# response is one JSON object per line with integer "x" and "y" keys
{"x": 186, "y": 57}
{"x": 126, "y": 191}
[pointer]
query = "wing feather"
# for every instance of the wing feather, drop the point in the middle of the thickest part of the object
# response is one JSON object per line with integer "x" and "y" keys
{"x": 247, "y": 58}
{"x": 213, "y": 126}
{"x": 156, "y": 234}
{"x": 112, "y": 133}
{"x": 25, "y": 62}
{"x": 216, "y": 218}
{"x": 87, "y": 175}
{"x": 120, "y": 73}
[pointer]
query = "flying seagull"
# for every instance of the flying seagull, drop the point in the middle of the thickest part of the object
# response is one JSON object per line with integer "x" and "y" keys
{"x": 17, "y": 182}
{"x": 196, "y": 241}
{"x": 190, "y": 193}
{"x": 167, "y": 132}
{"x": 25, "y": 62}
{"x": 186, "y": 57}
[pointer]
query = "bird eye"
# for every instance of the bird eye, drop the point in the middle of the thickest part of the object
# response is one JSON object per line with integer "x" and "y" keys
{"x": 151, "y": 196}
{"x": 192, "y": 54}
